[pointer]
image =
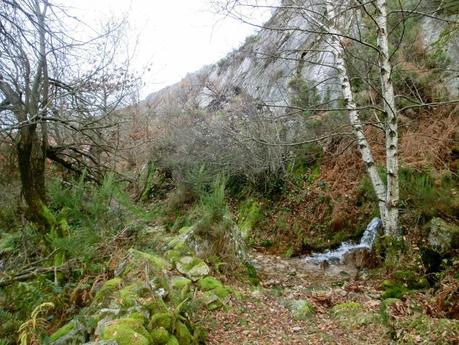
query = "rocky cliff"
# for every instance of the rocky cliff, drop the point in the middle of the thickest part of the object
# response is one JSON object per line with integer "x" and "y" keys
{"x": 284, "y": 49}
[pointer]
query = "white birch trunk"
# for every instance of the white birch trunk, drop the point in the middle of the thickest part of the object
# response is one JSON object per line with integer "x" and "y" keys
{"x": 387, "y": 91}
{"x": 362, "y": 143}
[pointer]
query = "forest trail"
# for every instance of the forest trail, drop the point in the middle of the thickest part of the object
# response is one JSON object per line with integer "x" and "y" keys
{"x": 300, "y": 303}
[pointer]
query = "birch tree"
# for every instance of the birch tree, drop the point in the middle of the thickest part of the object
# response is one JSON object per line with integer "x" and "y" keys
{"x": 333, "y": 25}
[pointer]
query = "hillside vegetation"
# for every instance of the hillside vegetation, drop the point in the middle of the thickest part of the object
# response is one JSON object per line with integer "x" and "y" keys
{"x": 188, "y": 218}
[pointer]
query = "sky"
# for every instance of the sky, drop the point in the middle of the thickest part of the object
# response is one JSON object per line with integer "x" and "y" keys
{"x": 174, "y": 37}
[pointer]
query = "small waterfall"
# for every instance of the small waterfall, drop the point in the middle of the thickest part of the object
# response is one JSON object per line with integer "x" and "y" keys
{"x": 337, "y": 256}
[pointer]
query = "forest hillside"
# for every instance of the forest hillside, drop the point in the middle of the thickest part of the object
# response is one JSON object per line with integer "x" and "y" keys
{"x": 301, "y": 190}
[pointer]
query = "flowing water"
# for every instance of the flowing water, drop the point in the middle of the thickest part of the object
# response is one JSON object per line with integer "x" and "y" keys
{"x": 337, "y": 256}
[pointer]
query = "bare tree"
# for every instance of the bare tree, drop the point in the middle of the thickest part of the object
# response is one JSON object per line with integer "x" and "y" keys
{"x": 44, "y": 96}
{"x": 338, "y": 29}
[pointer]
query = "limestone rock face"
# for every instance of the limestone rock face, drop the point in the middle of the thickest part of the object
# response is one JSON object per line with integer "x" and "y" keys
{"x": 261, "y": 68}
{"x": 266, "y": 63}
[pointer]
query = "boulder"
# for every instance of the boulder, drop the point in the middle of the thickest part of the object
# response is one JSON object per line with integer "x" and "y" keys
{"x": 443, "y": 236}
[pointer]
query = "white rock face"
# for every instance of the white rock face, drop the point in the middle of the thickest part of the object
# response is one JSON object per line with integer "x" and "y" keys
{"x": 263, "y": 66}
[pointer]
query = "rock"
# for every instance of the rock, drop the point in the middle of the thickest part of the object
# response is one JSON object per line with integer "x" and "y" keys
{"x": 182, "y": 334}
{"x": 173, "y": 341}
{"x": 109, "y": 287}
{"x": 443, "y": 236}
{"x": 209, "y": 283}
{"x": 359, "y": 257}
{"x": 129, "y": 295}
{"x": 180, "y": 283}
{"x": 73, "y": 333}
{"x": 192, "y": 267}
{"x": 126, "y": 332}
{"x": 160, "y": 336}
{"x": 164, "y": 320}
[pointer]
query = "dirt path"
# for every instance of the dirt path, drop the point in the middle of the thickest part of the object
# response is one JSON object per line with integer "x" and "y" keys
{"x": 345, "y": 307}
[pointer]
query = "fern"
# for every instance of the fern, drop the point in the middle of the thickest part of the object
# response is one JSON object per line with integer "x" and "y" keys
{"x": 30, "y": 329}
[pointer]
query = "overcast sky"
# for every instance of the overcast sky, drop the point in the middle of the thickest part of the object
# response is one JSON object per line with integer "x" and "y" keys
{"x": 175, "y": 36}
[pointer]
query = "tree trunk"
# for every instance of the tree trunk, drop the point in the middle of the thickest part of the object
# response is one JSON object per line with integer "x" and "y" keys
{"x": 31, "y": 160}
{"x": 357, "y": 127}
{"x": 387, "y": 91}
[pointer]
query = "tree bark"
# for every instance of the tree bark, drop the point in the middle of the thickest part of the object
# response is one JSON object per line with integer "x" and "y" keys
{"x": 357, "y": 127}
{"x": 31, "y": 162}
{"x": 387, "y": 91}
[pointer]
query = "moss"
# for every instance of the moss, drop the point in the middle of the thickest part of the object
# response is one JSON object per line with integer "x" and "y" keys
{"x": 156, "y": 305}
{"x": 192, "y": 267}
{"x": 160, "y": 336}
{"x": 130, "y": 294}
{"x": 64, "y": 330}
{"x": 180, "y": 283}
{"x": 430, "y": 330}
{"x": 342, "y": 310}
{"x": 137, "y": 316}
{"x": 182, "y": 334}
{"x": 173, "y": 341}
{"x": 393, "y": 290}
{"x": 164, "y": 320}
{"x": 156, "y": 261}
{"x": 411, "y": 279}
{"x": 126, "y": 332}
{"x": 209, "y": 283}
{"x": 109, "y": 287}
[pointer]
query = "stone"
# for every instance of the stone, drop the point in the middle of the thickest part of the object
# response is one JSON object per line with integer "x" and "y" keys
{"x": 126, "y": 331}
{"x": 160, "y": 336}
{"x": 209, "y": 283}
{"x": 443, "y": 236}
{"x": 109, "y": 287}
{"x": 164, "y": 320}
{"x": 173, "y": 341}
{"x": 182, "y": 334}
{"x": 73, "y": 333}
{"x": 192, "y": 267}
{"x": 180, "y": 282}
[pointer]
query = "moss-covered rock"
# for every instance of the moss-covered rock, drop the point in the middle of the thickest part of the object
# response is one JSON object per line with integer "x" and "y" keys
{"x": 182, "y": 334}
{"x": 124, "y": 334}
{"x": 130, "y": 295}
{"x": 173, "y": 341}
{"x": 126, "y": 326}
{"x": 109, "y": 287}
{"x": 194, "y": 268}
{"x": 160, "y": 336}
{"x": 180, "y": 283}
{"x": 209, "y": 283}
{"x": 164, "y": 320}
{"x": 157, "y": 262}
{"x": 64, "y": 330}
{"x": 411, "y": 279}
